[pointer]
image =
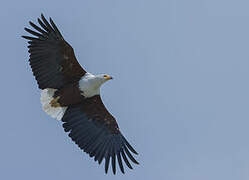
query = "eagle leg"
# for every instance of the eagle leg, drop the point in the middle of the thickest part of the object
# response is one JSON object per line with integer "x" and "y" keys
{"x": 55, "y": 103}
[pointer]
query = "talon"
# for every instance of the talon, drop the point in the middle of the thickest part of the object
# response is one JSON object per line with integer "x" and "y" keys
{"x": 54, "y": 102}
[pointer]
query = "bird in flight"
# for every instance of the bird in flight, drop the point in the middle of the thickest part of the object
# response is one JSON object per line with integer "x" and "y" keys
{"x": 71, "y": 94}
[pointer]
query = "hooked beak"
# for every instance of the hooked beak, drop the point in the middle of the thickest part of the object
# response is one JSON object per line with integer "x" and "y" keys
{"x": 108, "y": 77}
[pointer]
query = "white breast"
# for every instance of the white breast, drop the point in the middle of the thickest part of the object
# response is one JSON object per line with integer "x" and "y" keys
{"x": 89, "y": 85}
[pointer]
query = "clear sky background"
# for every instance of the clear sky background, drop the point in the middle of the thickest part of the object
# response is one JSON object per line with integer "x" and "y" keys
{"x": 180, "y": 88}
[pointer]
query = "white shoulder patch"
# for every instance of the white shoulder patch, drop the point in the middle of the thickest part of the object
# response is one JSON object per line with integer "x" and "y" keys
{"x": 46, "y": 98}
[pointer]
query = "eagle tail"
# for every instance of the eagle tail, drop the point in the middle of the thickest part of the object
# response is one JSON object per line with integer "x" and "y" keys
{"x": 49, "y": 104}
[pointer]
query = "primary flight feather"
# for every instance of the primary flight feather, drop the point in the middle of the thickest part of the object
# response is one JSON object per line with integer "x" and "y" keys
{"x": 71, "y": 94}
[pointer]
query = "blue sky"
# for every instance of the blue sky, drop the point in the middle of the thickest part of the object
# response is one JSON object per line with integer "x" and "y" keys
{"x": 180, "y": 92}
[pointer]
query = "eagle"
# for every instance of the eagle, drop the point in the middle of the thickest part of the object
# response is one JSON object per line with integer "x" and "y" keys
{"x": 72, "y": 95}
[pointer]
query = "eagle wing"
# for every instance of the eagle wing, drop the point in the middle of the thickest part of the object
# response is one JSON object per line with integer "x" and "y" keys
{"x": 52, "y": 59}
{"x": 96, "y": 132}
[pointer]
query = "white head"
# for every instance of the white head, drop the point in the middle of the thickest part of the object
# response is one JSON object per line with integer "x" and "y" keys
{"x": 90, "y": 84}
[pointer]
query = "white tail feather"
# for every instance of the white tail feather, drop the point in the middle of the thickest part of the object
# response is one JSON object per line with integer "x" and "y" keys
{"x": 46, "y": 98}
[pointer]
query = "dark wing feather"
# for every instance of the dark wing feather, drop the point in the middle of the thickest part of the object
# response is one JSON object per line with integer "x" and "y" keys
{"x": 52, "y": 59}
{"x": 96, "y": 132}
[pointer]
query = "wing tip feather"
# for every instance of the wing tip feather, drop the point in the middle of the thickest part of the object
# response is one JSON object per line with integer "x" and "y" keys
{"x": 101, "y": 144}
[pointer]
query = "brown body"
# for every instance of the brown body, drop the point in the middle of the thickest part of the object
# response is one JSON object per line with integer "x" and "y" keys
{"x": 69, "y": 95}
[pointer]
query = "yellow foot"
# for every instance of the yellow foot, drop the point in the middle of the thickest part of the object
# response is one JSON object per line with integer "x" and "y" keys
{"x": 54, "y": 102}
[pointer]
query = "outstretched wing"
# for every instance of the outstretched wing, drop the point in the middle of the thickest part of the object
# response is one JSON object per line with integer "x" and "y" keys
{"x": 52, "y": 59}
{"x": 96, "y": 132}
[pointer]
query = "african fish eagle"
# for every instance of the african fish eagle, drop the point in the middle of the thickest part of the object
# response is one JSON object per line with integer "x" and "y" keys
{"x": 72, "y": 95}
